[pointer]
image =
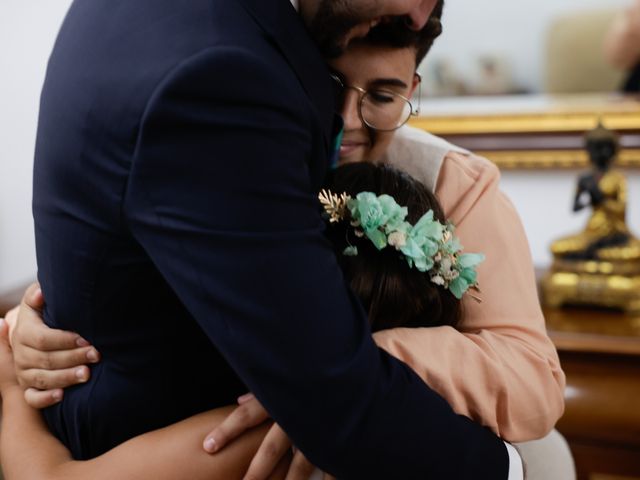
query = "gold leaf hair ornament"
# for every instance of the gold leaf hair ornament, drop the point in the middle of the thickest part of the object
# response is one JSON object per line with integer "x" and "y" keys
{"x": 335, "y": 206}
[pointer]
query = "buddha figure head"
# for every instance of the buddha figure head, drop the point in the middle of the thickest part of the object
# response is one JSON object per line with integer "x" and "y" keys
{"x": 602, "y": 145}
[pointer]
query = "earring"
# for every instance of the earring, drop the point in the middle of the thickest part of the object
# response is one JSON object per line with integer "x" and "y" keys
{"x": 417, "y": 111}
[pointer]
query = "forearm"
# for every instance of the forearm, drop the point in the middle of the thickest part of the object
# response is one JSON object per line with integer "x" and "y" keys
{"x": 493, "y": 378}
{"x": 22, "y": 430}
{"x": 176, "y": 452}
{"x": 170, "y": 453}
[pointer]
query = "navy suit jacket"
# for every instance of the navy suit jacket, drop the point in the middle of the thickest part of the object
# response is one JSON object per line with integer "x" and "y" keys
{"x": 180, "y": 149}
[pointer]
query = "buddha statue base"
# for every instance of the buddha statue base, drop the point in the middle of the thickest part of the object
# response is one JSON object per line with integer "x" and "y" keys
{"x": 593, "y": 283}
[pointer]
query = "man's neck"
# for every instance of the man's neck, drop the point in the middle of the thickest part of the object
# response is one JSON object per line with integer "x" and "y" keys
{"x": 295, "y": 4}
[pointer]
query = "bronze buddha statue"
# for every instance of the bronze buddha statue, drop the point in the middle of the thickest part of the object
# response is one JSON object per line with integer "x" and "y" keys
{"x": 600, "y": 265}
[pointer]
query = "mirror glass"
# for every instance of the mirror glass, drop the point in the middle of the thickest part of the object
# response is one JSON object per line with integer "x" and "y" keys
{"x": 523, "y": 47}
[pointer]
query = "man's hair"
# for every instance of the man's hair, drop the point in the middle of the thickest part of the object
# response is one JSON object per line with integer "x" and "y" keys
{"x": 396, "y": 34}
{"x": 394, "y": 294}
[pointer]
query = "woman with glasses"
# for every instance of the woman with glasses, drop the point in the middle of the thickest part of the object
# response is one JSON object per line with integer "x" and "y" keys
{"x": 497, "y": 367}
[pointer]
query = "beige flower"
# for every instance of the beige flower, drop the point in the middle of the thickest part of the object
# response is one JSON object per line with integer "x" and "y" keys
{"x": 397, "y": 239}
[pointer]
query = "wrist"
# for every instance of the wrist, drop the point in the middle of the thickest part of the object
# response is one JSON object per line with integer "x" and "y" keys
{"x": 11, "y": 389}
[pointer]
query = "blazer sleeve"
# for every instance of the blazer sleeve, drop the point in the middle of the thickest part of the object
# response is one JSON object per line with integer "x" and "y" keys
{"x": 221, "y": 199}
{"x": 500, "y": 368}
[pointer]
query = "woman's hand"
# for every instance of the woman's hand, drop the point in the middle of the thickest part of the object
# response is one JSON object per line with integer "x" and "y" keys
{"x": 8, "y": 378}
{"x": 46, "y": 360}
{"x": 274, "y": 447}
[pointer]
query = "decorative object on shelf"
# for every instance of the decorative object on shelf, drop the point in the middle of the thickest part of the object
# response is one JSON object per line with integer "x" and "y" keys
{"x": 599, "y": 266}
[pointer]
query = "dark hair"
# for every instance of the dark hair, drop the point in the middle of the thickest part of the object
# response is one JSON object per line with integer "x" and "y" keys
{"x": 395, "y": 34}
{"x": 394, "y": 294}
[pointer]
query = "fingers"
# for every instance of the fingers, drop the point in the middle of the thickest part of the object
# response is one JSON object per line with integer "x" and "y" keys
{"x": 276, "y": 444}
{"x": 245, "y": 398}
{"x": 31, "y": 331}
{"x": 4, "y": 328}
{"x": 53, "y": 379}
{"x": 301, "y": 468}
{"x": 42, "y": 399}
{"x": 12, "y": 317}
{"x": 244, "y": 417}
{"x": 33, "y": 297}
{"x": 46, "y": 359}
{"x": 53, "y": 370}
{"x": 30, "y": 358}
{"x": 326, "y": 476}
{"x": 30, "y": 328}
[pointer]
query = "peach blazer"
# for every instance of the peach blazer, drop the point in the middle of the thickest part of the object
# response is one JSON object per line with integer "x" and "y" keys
{"x": 499, "y": 368}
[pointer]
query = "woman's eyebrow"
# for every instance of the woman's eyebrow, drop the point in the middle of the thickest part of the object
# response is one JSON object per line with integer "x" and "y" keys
{"x": 388, "y": 82}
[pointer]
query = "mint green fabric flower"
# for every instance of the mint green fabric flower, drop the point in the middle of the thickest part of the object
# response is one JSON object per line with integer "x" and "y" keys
{"x": 428, "y": 246}
{"x": 350, "y": 251}
{"x": 367, "y": 210}
{"x": 412, "y": 250}
{"x": 470, "y": 260}
{"x": 452, "y": 246}
{"x": 468, "y": 277}
{"x": 377, "y": 237}
{"x": 458, "y": 287}
{"x": 428, "y": 228}
{"x": 394, "y": 213}
{"x": 369, "y": 213}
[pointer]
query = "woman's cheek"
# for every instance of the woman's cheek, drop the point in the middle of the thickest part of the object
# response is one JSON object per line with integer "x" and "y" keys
{"x": 380, "y": 142}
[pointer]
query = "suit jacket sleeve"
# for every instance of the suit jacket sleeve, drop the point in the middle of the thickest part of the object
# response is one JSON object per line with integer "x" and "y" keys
{"x": 221, "y": 198}
{"x": 501, "y": 368}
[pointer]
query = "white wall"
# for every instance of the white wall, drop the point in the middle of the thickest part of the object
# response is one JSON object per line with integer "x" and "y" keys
{"x": 544, "y": 200}
{"x": 27, "y": 31}
{"x": 513, "y": 28}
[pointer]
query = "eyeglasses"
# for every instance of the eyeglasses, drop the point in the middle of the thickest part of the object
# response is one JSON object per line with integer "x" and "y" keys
{"x": 379, "y": 109}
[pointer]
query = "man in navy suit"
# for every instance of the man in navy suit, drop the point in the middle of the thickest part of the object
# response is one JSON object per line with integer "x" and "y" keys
{"x": 180, "y": 149}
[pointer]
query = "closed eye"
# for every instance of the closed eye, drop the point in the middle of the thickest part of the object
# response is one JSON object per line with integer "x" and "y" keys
{"x": 382, "y": 96}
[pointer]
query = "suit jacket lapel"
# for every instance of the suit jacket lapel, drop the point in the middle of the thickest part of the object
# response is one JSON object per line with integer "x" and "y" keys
{"x": 280, "y": 20}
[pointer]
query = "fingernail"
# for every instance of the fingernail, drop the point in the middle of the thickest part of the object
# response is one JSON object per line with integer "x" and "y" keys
{"x": 57, "y": 395}
{"x": 245, "y": 398}
{"x": 81, "y": 374}
{"x": 92, "y": 355}
{"x": 81, "y": 342}
{"x": 38, "y": 291}
{"x": 210, "y": 445}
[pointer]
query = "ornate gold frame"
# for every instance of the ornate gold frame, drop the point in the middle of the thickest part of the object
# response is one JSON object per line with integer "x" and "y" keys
{"x": 620, "y": 115}
{"x": 549, "y": 159}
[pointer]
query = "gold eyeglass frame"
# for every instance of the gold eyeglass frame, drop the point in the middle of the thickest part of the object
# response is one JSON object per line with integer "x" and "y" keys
{"x": 363, "y": 94}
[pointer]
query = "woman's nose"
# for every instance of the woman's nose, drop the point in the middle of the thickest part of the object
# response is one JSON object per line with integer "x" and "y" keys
{"x": 349, "y": 110}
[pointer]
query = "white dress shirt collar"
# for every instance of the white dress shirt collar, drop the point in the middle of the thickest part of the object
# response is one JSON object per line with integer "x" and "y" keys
{"x": 295, "y": 4}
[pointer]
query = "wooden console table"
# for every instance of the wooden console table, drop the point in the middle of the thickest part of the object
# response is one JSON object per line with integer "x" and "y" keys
{"x": 600, "y": 354}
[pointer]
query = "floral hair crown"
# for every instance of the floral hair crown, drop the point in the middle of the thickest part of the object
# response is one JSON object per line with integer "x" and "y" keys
{"x": 428, "y": 246}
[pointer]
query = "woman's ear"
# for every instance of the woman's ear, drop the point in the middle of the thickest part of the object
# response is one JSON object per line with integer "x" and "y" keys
{"x": 417, "y": 81}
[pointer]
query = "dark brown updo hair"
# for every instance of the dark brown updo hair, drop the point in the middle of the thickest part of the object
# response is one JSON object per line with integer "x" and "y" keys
{"x": 394, "y": 294}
